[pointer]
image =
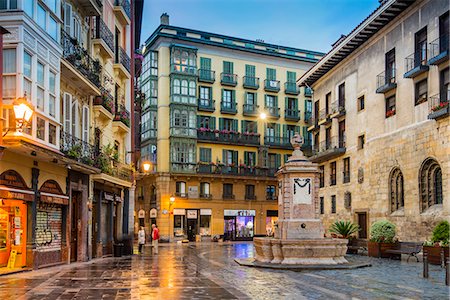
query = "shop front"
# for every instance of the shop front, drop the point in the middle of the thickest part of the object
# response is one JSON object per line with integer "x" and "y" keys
{"x": 190, "y": 223}
{"x": 14, "y": 195}
{"x": 271, "y": 222}
{"x": 239, "y": 225}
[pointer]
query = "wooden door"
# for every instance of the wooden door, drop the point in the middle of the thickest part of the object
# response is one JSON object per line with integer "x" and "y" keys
{"x": 75, "y": 219}
{"x": 362, "y": 222}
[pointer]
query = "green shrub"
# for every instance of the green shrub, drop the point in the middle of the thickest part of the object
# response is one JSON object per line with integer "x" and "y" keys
{"x": 382, "y": 232}
{"x": 441, "y": 232}
{"x": 344, "y": 229}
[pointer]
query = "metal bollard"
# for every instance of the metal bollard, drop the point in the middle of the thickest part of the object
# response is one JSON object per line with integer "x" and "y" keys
{"x": 425, "y": 264}
{"x": 447, "y": 272}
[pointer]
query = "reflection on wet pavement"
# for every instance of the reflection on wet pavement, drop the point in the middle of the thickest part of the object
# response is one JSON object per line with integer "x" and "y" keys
{"x": 208, "y": 271}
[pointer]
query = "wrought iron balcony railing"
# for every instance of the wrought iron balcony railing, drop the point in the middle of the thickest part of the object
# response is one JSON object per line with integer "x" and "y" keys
{"x": 338, "y": 107}
{"x": 206, "y": 75}
{"x": 278, "y": 141}
{"x": 77, "y": 149}
{"x": 106, "y": 100}
{"x": 250, "y": 109}
{"x": 123, "y": 59}
{"x": 273, "y": 112}
{"x": 291, "y": 88}
{"x": 206, "y": 105}
{"x": 439, "y": 105}
{"x": 228, "y": 107}
{"x": 122, "y": 115}
{"x": 228, "y": 79}
{"x": 79, "y": 57}
{"x": 292, "y": 114}
{"x": 416, "y": 63}
{"x": 386, "y": 80}
{"x": 101, "y": 31}
{"x": 125, "y": 5}
{"x": 439, "y": 50}
{"x": 272, "y": 85}
{"x": 251, "y": 82}
{"x": 225, "y": 136}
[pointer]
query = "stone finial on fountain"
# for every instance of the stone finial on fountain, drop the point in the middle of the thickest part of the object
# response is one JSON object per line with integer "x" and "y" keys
{"x": 297, "y": 142}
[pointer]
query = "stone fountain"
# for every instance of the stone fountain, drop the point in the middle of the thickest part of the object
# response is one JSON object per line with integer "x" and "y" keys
{"x": 299, "y": 238}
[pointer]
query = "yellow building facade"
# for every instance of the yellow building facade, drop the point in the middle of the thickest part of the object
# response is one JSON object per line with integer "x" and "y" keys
{"x": 217, "y": 116}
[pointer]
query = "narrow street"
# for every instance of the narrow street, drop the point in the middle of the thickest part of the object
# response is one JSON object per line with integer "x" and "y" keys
{"x": 208, "y": 271}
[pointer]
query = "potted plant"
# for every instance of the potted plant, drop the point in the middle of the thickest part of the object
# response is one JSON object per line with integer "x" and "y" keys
{"x": 439, "y": 243}
{"x": 382, "y": 238}
{"x": 74, "y": 152}
{"x": 344, "y": 230}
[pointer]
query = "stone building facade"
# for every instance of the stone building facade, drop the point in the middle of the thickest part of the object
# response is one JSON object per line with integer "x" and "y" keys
{"x": 381, "y": 120}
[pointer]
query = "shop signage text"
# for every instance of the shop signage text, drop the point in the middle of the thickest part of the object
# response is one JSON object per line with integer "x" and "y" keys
{"x": 230, "y": 212}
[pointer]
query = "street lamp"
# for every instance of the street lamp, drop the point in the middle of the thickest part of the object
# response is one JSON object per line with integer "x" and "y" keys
{"x": 263, "y": 116}
{"x": 22, "y": 111}
{"x": 146, "y": 166}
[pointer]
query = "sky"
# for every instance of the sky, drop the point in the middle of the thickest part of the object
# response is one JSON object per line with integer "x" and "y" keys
{"x": 305, "y": 24}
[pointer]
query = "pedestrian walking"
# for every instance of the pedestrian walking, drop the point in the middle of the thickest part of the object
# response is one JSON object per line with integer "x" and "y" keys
{"x": 155, "y": 238}
{"x": 141, "y": 239}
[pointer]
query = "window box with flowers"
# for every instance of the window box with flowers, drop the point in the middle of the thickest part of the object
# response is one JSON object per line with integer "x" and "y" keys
{"x": 204, "y": 133}
{"x": 390, "y": 113}
{"x": 440, "y": 106}
{"x": 229, "y": 136}
{"x": 205, "y": 167}
{"x": 250, "y": 138}
{"x": 123, "y": 115}
{"x": 105, "y": 100}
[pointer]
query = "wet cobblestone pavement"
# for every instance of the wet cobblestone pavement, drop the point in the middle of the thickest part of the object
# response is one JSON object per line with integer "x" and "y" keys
{"x": 208, "y": 271}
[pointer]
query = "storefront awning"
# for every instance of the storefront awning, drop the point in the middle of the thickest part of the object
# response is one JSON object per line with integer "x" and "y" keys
{"x": 8, "y": 193}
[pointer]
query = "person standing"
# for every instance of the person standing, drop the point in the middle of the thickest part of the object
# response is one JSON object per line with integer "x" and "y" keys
{"x": 141, "y": 239}
{"x": 155, "y": 238}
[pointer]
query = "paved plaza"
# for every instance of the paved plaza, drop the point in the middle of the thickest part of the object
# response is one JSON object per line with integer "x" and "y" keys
{"x": 208, "y": 271}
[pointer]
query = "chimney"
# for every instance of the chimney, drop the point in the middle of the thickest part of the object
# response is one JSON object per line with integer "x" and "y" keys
{"x": 164, "y": 19}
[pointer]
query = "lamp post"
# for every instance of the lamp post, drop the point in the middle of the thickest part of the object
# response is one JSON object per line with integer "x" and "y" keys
{"x": 23, "y": 111}
{"x": 146, "y": 166}
{"x": 171, "y": 202}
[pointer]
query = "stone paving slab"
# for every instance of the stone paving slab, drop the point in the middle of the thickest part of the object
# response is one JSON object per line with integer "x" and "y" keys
{"x": 251, "y": 262}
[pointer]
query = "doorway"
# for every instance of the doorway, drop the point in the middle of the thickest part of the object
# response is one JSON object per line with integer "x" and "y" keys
{"x": 75, "y": 220}
{"x": 230, "y": 228}
{"x": 362, "y": 222}
{"x": 191, "y": 229}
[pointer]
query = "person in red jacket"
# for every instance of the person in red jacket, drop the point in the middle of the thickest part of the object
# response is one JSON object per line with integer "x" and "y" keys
{"x": 155, "y": 238}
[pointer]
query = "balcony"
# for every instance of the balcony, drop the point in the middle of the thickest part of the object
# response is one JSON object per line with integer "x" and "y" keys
{"x": 122, "y": 63}
{"x": 183, "y": 132}
{"x": 273, "y": 112}
{"x": 183, "y": 69}
{"x": 271, "y": 197}
{"x": 328, "y": 150}
{"x": 250, "y": 197}
{"x": 227, "y": 137}
{"x": 78, "y": 67}
{"x": 291, "y": 114}
{"x": 439, "y": 50}
{"x": 205, "y": 196}
{"x": 205, "y": 75}
{"x": 416, "y": 64}
{"x": 277, "y": 142}
{"x": 228, "y": 196}
{"x": 291, "y": 88}
{"x": 272, "y": 85}
{"x": 338, "y": 108}
{"x": 308, "y": 118}
{"x": 77, "y": 149}
{"x": 228, "y": 107}
{"x": 229, "y": 170}
{"x": 251, "y": 83}
{"x": 114, "y": 168}
{"x": 207, "y": 105}
{"x": 122, "y": 119}
{"x": 183, "y": 167}
{"x": 439, "y": 106}
{"x": 103, "y": 38}
{"x": 308, "y": 92}
{"x": 307, "y": 146}
{"x": 386, "y": 83}
{"x": 104, "y": 106}
{"x": 250, "y": 110}
{"x": 324, "y": 116}
{"x": 228, "y": 79}
{"x": 91, "y": 7}
{"x": 122, "y": 10}
{"x": 215, "y": 169}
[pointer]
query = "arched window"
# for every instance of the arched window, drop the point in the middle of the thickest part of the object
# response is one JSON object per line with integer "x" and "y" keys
{"x": 184, "y": 87}
{"x": 396, "y": 190}
{"x": 430, "y": 184}
{"x": 192, "y": 60}
{"x": 184, "y": 58}
{"x": 192, "y": 88}
{"x": 176, "y": 57}
{"x": 176, "y": 86}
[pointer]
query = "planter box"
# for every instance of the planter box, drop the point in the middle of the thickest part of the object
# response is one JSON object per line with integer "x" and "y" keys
{"x": 379, "y": 249}
{"x": 434, "y": 254}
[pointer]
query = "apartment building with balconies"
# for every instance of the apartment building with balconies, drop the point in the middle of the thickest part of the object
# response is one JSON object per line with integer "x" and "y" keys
{"x": 380, "y": 120}
{"x": 202, "y": 130}
{"x": 71, "y": 161}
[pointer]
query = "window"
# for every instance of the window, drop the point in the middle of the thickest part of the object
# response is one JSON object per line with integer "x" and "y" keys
{"x": 396, "y": 189}
{"x": 444, "y": 85}
{"x": 228, "y": 191}
{"x": 205, "y": 155}
{"x": 250, "y": 192}
{"x": 178, "y": 225}
{"x": 421, "y": 47}
{"x": 361, "y": 103}
{"x": 430, "y": 184}
{"x": 274, "y": 161}
{"x": 272, "y": 131}
{"x": 27, "y": 73}
{"x": 333, "y": 204}
{"x": 249, "y": 126}
{"x": 41, "y": 17}
{"x": 40, "y": 128}
{"x": 205, "y": 96}
{"x": 250, "y": 100}
{"x": 230, "y": 158}
{"x": 271, "y": 74}
{"x": 29, "y": 7}
{"x": 53, "y": 28}
{"x": 149, "y": 125}
{"x": 270, "y": 192}
{"x": 421, "y": 93}
{"x": 291, "y": 104}
{"x": 390, "y": 106}
{"x": 249, "y": 158}
{"x": 322, "y": 206}
{"x": 341, "y": 95}
{"x": 321, "y": 176}
{"x": 227, "y": 67}
{"x": 361, "y": 141}
{"x": 180, "y": 189}
{"x": 204, "y": 190}
{"x": 271, "y": 101}
{"x": 9, "y": 73}
{"x": 227, "y": 99}
{"x": 205, "y": 221}
{"x": 333, "y": 173}
{"x": 228, "y": 124}
{"x": 52, "y": 134}
{"x": 206, "y": 122}
{"x": 8, "y": 4}
{"x": 346, "y": 172}
{"x": 328, "y": 103}
{"x": 390, "y": 67}
{"x": 52, "y": 93}
{"x": 183, "y": 61}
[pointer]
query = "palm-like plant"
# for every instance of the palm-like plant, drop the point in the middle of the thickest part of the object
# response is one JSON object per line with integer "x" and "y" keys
{"x": 344, "y": 229}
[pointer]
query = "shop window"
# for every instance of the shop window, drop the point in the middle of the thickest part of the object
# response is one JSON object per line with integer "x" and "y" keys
{"x": 244, "y": 227}
{"x": 250, "y": 192}
{"x": 333, "y": 204}
{"x": 180, "y": 190}
{"x": 205, "y": 225}
{"x": 271, "y": 220}
{"x": 270, "y": 192}
{"x": 178, "y": 225}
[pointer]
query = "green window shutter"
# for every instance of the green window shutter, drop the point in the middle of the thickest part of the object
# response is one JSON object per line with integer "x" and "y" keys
{"x": 235, "y": 157}
{"x": 250, "y": 70}
{"x": 291, "y": 76}
{"x": 228, "y": 67}
{"x": 271, "y": 74}
{"x": 255, "y": 97}
{"x": 243, "y": 126}
{"x": 277, "y": 130}
{"x": 199, "y": 121}
{"x": 205, "y": 63}
{"x": 235, "y": 125}
{"x": 220, "y": 123}
{"x": 286, "y": 157}
{"x": 278, "y": 160}
{"x": 265, "y": 100}
{"x": 233, "y": 98}
{"x": 246, "y": 154}
{"x": 221, "y": 94}
{"x": 224, "y": 156}
{"x": 297, "y": 129}
{"x": 276, "y": 101}
{"x": 296, "y": 104}
{"x": 212, "y": 123}
{"x": 284, "y": 130}
{"x": 286, "y": 103}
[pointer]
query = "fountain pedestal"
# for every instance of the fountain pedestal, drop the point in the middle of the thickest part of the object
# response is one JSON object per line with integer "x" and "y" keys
{"x": 299, "y": 238}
